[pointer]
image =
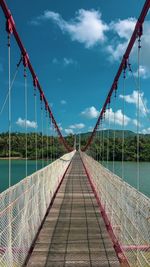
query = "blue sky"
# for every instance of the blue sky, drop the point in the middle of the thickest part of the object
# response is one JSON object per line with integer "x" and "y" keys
{"x": 75, "y": 48}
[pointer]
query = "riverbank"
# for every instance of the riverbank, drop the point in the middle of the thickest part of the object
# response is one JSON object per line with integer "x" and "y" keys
{"x": 12, "y": 158}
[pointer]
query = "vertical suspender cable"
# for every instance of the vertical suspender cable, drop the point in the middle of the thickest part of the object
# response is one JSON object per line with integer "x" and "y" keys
{"x": 100, "y": 141}
{"x": 9, "y": 182}
{"x": 47, "y": 120}
{"x": 114, "y": 135}
{"x": 103, "y": 140}
{"x": 108, "y": 134}
{"x": 138, "y": 146}
{"x": 123, "y": 121}
{"x": 41, "y": 99}
{"x": 96, "y": 145}
{"x": 138, "y": 116}
{"x": 35, "y": 117}
{"x": 26, "y": 110}
{"x": 51, "y": 127}
{"x": 55, "y": 144}
{"x": 9, "y": 109}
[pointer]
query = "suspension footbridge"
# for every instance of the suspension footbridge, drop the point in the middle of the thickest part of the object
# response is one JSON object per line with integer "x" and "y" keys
{"x": 73, "y": 211}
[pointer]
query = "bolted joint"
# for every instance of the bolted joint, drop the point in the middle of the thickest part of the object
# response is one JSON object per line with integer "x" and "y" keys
{"x": 129, "y": 66}
{"x": 35, "y": 81}
{"x": 115, "y": 85}
{"x": 46, "y": 106}
{"x": 10, "y": 24}
{"x": 125, "y": 63}
{"x": 25, "y": 59}
{"x": 41, "y": 96}
{"x": 139, "y": 29}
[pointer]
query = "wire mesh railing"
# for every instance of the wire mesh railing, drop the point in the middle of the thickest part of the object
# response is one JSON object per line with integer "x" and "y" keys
{"x": 127, "y": 210}
{"x": 22, "y": 209}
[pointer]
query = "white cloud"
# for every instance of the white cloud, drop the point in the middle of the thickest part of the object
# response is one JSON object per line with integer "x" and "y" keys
{"x": 135, "y": 122}
{"x": 22, "y": 123}
{"x": 143, "y": 71}
{"x": 77, "y": 126}
{"x": 90, "y": 113}
{"x": 60, "y": 126}
{"x": 69, "y": 61}
{"x": 65, "y": 61}
{"x": 69, "y": 131}
{"x": 123, "y": 30}
{"x": 118, "y": 117}
{"x": 133, "y": 99}
{"x": 63, "y": 102}
{"x": 87, "y": 27}
{"x": 116, "y": 51}
{"x": 146, "y": 131}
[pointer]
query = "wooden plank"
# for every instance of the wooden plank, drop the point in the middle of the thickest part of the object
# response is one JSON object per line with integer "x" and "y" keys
{"x": 74, "y": 233}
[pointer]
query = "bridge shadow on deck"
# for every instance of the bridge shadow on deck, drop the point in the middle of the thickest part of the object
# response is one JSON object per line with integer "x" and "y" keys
{"x": 74, "y": 233}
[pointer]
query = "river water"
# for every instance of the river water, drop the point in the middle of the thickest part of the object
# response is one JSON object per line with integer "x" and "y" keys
{"x": 130, "y": 173}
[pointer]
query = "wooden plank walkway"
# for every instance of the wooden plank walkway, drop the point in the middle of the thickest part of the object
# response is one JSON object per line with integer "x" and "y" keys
{"x": 74, "y": 233}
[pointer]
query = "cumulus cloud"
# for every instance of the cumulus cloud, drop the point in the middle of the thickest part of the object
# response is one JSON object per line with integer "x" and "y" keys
{"x": 116, "y": 51}
{"x": 135, "y": 122}
{"x": 63, "y": 102}
{"x": 87, "y": 27}
{"x": 90, "y": 113}
{"x": 77, "y": 126}
{"x": 60, "y": 126}
{"x": 69, "y": 131}
{"x": 146, "y": 131}
{"x": 23, "y": 123}
{"x": 118, "y": 117}
{"x": 143, "y": 71}
{"x": 123, "y": 30}
{"x": 133, "y": 99}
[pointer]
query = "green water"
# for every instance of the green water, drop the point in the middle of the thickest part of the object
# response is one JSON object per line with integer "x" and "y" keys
{"x": 18, "y": 171}
{"x": 130, "y": 171}
{"x": 130, "y": 174}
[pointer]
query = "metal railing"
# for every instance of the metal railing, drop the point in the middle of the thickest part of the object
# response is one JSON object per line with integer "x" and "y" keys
{"x": 22, "y": 209}
{"x": 127, "y": 210}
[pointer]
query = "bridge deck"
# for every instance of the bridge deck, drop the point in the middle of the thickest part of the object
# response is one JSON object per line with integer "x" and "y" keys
{"x": 74, "y": 233}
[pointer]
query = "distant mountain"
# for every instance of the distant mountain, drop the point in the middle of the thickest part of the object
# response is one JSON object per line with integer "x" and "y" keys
{"x": 118, "y": 133}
